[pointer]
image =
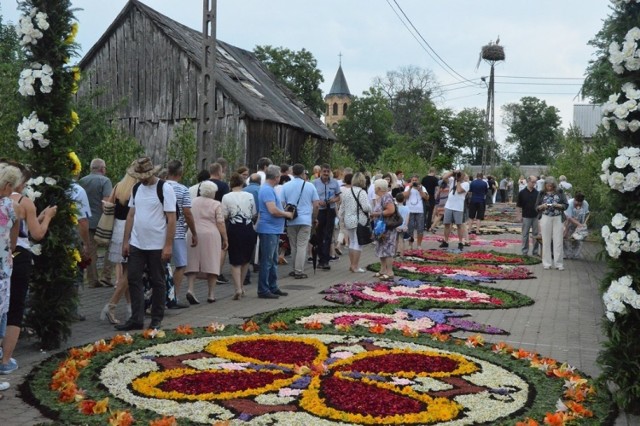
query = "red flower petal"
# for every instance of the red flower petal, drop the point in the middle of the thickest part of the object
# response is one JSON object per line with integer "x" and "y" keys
{"x": 277, "y": 352}
{"x": 366, "y": 399}
{"x": 224, "y": 381}
{"x": 395, "y": 363}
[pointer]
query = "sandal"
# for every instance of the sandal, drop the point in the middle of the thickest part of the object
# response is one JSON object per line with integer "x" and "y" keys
{"x": 388, "y": 278}
{"x": 301, "y": 276}
{"x": 377, "y": 275}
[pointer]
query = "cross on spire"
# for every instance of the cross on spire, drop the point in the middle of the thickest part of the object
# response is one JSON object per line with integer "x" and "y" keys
{"x": 340, "y": 56}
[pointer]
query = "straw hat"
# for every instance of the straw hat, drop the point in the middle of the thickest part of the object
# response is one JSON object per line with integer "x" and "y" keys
{"x": 142, "y": 168}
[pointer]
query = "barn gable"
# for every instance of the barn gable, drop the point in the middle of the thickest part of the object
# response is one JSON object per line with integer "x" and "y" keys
{"x": 149, "y": 65}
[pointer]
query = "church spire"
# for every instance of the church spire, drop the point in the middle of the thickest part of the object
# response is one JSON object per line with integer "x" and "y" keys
{"x": 339, "y": 86}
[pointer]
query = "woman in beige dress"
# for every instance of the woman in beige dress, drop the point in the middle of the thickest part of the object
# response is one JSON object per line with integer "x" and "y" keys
{"x": 212, "y": 239}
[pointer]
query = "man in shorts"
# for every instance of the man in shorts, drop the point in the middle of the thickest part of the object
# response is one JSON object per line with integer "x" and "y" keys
{"x": 415, "y": 195}
{"x": 454, "y": 208}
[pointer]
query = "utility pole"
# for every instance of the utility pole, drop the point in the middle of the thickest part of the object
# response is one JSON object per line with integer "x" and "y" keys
{"x": 207, "y": 86}
{"x": 491, "y": 53}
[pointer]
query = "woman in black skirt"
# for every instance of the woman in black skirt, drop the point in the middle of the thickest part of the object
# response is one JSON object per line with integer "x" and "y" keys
{"x": 239, "y": 210}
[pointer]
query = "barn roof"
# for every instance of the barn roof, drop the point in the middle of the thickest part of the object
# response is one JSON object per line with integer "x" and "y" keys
{"x": 238, "y": 73}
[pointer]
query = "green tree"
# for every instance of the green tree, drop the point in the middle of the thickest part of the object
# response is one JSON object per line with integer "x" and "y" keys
{"x": 11, "y": 61}
{"x": 408, "y": 90}
{"x": 97, "y": 137}
{"x": 469, "y": 132}
{"x": 298, "y": 71}
{"x": 183, "y": 146}
{"x": 366, "y": 128}
{"x": 534, "y": 130}
{"x": 436, "y": 142}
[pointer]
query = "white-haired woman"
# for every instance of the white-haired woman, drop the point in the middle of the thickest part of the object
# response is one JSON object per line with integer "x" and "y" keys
{"x": 386, "y": 244}
{"x": 551, "y": 204}
{"x": 212, "y": 239}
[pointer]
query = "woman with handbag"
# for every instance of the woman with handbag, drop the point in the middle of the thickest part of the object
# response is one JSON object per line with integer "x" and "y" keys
{"x": 386, "y": 243}
{"x": 551, "y": 204}
{"x": 120, "y": 198}
{"x": 239, "y": 210}
{"x": 354, "y": 213}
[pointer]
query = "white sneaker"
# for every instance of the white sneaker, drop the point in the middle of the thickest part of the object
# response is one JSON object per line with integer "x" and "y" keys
{"x": 560, "y": 268}
{"x": 547, "y": 267}
{"x": 4, "y": 386}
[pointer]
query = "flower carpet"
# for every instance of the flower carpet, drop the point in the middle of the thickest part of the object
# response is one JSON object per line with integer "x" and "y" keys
{"x": 470, "y": 257}
{"x": 474, "y": 241}
{"x": 266, "y": 374}
{"x": 419, "y": 294}
{"x": 473, "y": 272}
{"x": 409, "y": 322}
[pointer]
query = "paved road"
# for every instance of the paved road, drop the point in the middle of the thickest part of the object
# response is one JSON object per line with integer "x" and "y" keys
{"x": 564, "y": 322}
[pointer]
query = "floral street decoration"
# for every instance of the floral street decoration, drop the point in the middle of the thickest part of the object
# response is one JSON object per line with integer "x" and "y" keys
{"x": 474, "y": 272}
{"x": 470, "y": 257}
{"x": 45, "y": 135}
{"x": 621, "y": 174}
{"x": 419, "y": 294}
{"x": 474, "y": 241}
{"x": 319, "y": 378}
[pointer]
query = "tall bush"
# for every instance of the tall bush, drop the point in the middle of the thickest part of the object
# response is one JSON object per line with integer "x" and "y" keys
{"x": 621, "y": 286}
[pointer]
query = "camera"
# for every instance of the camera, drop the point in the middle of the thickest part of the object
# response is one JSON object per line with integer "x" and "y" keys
{"x": 458, "y": 175}
{"x": 415, "y": 184}
{"x": 549, "y": 205}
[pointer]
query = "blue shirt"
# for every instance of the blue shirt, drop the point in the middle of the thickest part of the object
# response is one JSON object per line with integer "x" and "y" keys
{"x": 293, "y": 190}
{"x": 253, "y": 189}
{"x": 267, "y": 224}
{"x": 478, "y": 189}
{"x": 327, "y": 190}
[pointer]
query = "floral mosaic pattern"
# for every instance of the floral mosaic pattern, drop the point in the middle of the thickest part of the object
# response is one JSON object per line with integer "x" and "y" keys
{"x": 409, "y": 321}
{"x": 369, "y": 381}
{"x": 472, "y": 272}
{"x": 470, "y": 257}
{"x": 475, "y": 241}
{"x": 418, "y": 293}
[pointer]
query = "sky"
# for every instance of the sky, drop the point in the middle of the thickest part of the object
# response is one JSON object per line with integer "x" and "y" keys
{"x": 545, "y": 41}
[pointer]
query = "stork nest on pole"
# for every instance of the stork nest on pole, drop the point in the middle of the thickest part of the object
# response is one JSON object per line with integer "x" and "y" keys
{"x": 493, "y": 52}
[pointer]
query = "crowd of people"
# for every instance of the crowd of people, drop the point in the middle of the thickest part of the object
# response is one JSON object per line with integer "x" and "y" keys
{"x": 258, "y": 219}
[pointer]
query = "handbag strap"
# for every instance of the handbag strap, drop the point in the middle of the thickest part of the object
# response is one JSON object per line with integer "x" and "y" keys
{"x": 300, "y": 195}
{"x": 358, "y": 203}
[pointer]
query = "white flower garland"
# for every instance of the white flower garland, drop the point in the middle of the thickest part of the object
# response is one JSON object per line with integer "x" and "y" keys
{"x": 28, "y": 78}
{"x": 627, "y": 157}
{"x": 30, "y": 129}
{"x": 618, "y": 295}
{"x": 621, "y": 2}
{"x": 624, "y": 237}
{"x": 26, "y": 29}
{"x": 625, "y": 57}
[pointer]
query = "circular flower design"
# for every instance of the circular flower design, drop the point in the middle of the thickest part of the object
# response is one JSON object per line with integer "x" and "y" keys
{"x": 315, "y": 379}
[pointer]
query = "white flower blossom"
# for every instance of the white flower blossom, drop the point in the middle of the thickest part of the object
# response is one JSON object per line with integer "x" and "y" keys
{"x": 622, "y": 124}
{"x": 621, "y": 112}
{"x": 606, "y": 164}
{"x": 619, "y": 221}
{"x": 44, "y": 143}
{"x": 31, "y": 128}
{"x": 633, "y": 34}
{"x": 50, "y": 181}
{"x": 631, "y": 91}
{"x": 36, "y": 249}
{"x": 605, "y": 231}
{"x": 616, "y": 180}
{"x": 635, "y": 163}
{"x": 621, "y": 161}
{"x": 631, "y": 182}
{"x": 632, "y": 64}
{"x": 605, "y": 123}
{"x": 634, "y": 125}
{"x": 617, "y": 295}
{"x": 635, "y": 224}
{"x": 629, "y": 151}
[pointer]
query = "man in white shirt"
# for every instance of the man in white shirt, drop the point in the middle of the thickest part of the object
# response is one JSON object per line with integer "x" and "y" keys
{"x": 454, "y": 208}
{"x": 148, "y": 241}
{"x": 415, "y": 194}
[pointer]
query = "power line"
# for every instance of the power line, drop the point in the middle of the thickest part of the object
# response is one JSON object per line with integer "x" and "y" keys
{"x": 541, "y": 84}
{"x": 541, "y": 78}
{"x": 443, "y": 64}
{"x": 540, "y": 93}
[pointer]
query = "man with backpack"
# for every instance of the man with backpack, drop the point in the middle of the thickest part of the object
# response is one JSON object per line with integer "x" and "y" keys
{"x": 148, "y": 242}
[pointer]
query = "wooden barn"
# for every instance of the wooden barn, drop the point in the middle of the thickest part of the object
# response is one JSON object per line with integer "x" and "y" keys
{"x": 148, "y": 67}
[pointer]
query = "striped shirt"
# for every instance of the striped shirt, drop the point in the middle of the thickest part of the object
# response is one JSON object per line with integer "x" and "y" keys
{"x": 184, "y": 200}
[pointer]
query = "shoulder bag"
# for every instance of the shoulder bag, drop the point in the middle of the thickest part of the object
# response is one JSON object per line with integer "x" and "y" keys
{"x": 104, "y": 230}
{"x": 293, "y": 208}
{"x": 363, "y": 232}
{"x": 394, "y": 220}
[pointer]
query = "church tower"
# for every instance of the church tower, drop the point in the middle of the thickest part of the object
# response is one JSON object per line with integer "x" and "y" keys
{"x": 337, "y": 100}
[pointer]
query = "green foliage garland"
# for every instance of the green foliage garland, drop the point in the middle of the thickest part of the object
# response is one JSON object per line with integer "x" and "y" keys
{"x": 53, "y": 292}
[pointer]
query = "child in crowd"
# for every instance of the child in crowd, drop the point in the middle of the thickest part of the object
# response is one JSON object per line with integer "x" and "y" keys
{"x": 403, "y": 210}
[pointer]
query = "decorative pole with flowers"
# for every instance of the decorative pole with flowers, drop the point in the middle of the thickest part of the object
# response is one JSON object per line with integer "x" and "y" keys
{"x": 47, "y": 31}
{"x": 621, "y": 286}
